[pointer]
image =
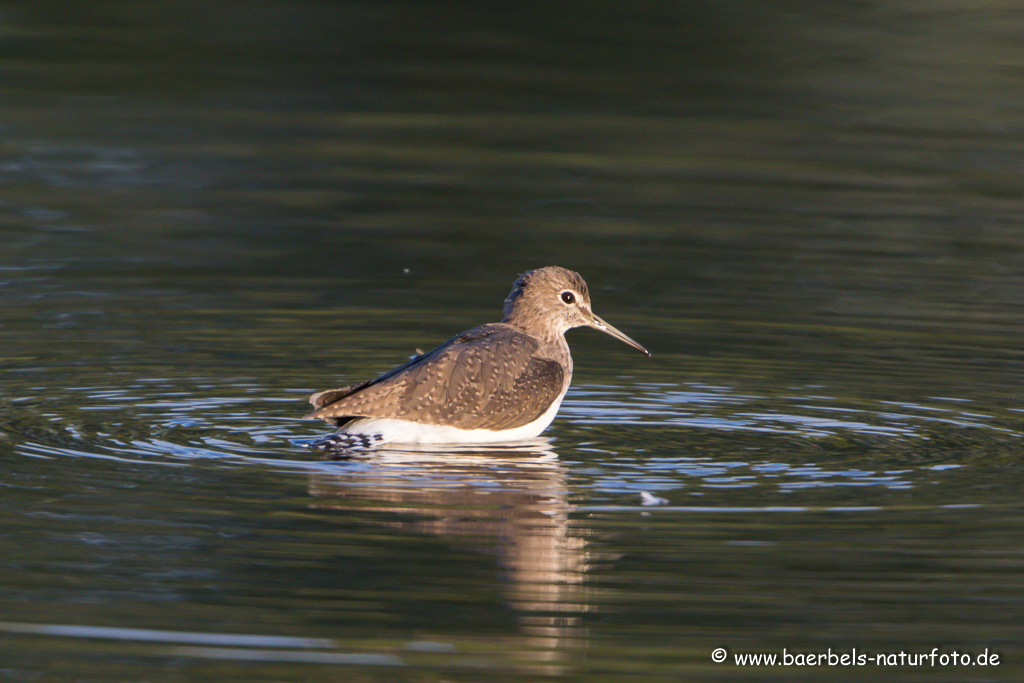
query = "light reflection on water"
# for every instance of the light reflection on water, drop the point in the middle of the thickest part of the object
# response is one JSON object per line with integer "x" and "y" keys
{"x": 661, "y": 405}
{"x": 511, "y": 503}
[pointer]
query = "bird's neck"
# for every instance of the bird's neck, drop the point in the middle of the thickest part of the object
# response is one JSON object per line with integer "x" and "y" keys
{"x": 533, "y": 323}
{"x": 557, "y": 349}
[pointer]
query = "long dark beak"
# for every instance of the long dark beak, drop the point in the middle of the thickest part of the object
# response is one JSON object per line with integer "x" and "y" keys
{"x": 599, "y": 324}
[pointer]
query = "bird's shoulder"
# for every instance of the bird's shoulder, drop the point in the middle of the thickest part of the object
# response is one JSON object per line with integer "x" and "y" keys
{"x": 492, "y": 337}
{"x": 486, "y": 349}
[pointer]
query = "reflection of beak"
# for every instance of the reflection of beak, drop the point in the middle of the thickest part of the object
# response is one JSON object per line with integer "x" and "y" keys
{"x": 599, "y": 324}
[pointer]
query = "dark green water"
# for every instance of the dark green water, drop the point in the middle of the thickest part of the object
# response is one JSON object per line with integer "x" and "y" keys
{"x": 811, "y": 215}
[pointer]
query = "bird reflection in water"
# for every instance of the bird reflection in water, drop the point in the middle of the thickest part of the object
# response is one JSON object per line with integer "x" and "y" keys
{"x": 512, "y": 502}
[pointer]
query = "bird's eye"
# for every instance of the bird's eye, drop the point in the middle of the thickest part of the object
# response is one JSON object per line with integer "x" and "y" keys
{"x": 568, "y": 298}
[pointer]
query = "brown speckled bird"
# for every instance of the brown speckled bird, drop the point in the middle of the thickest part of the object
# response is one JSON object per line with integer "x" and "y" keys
{"x": 496, "y": 383}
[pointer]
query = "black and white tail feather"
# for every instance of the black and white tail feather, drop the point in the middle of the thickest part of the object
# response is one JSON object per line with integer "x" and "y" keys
{"x": 345, "y": 444}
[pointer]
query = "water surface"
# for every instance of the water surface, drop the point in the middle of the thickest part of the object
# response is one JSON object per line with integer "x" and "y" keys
{"x": 811, "y": 217}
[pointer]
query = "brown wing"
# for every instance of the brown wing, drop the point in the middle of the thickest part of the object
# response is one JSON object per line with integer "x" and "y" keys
{"x": 486, "y": 378}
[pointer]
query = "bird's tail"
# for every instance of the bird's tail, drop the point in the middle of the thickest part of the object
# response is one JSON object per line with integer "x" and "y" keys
{"x": 341, "y": 444}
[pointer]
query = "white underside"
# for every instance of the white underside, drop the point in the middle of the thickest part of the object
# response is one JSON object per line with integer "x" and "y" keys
{"x": 392, "y": 430}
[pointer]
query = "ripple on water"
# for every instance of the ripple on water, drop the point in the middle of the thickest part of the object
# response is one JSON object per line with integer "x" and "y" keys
{"x": 721, "y": 408}
{"x": 701, "y": 439}
{"x": 695, "y": 440}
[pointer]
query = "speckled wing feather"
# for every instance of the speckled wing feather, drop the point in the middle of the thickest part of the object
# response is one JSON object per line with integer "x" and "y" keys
{"x": 486, "y": 378}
